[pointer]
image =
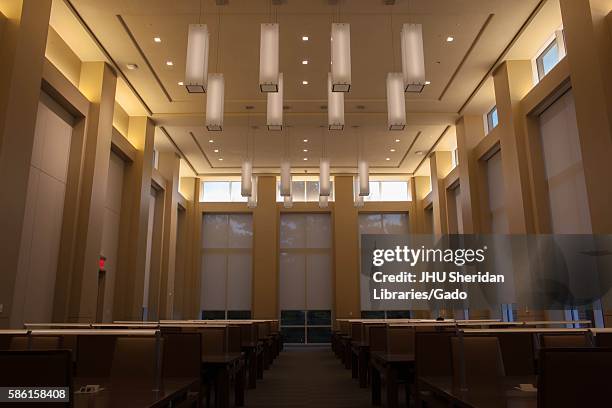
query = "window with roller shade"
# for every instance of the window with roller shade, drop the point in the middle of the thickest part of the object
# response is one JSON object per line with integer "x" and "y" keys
{"x": 305, "y": 278}
{"x": 227, "y": 252}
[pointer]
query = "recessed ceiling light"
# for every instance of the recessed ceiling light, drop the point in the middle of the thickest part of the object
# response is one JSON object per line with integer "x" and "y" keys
{"x": 170, "y": 63}
{"x": 450, "y": 39}
{"x": 427, "y": 83}
{"x": 397, "y": 140}
{"x": 132, "y": 67}
{"x": 392, "y": 150}
{"x": 211, "y": 141}
{"x": 305, "y": 62}
{"x": 216, "y": 150}
{"x": 220, "y": 158}
{"x": 419, "y": 152}
{"x": 181, "y": 83}
{"x": 388, "y": 159}
{"x": 305, "y": 150}
{"x": 157, "y": 39}
{"x": 305, "y": 140}
{"x": 305, "y": 158}
{"x": 305, "y": 38}
{"x": 304, "y": 82}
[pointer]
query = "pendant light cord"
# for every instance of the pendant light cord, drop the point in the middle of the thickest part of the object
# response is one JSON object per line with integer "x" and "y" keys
{"x": 200, "y": 16}
{"x": 218, "y": 39}
{"x": 392, "y": 42}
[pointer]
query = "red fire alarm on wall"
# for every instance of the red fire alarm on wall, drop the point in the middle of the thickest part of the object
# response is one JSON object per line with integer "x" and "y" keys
{"x": 102, "y": 262}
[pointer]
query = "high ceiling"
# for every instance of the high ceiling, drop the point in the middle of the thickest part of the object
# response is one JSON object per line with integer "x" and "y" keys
{"x": 482, "y": 31}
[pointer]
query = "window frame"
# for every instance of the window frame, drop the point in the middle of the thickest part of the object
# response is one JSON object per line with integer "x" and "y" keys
{"x": 489, "y": 119}
{"x": 539, "y": 61}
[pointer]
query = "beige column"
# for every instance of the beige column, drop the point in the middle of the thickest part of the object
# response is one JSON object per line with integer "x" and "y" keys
{"x": 98, "y": 83}
{"x": 129, "y": 282}
{"x": 265, "y": 250}
{"x": 169, "y": 165}
{"x": 188, "y": 244}
{"x": 469, "y": 130}
{"x": 513, "y": 80}
{"x": 346, "y": 247}
{"x": 440, "y": 165}
{"x": 589, "y": 53}
{"x": 22, "y": 50}
{"x": 196, "y": 252}
{"x": 421, "y": 186}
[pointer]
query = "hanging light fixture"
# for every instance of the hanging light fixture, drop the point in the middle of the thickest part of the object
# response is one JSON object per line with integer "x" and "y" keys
{"x": 246, "y": 182}
{"x": 323, "y": 201}
{"x": 358, "y": 198}
{"x": 341, "y": 57}
{"x": 364, "y": 178}
{"x": 324, "y": 182}
{"x": 215, "y": 99}
{"x": 196, "y": 72}
{"x": 268, "y": 58}
{"x": 413, "y": 58}
{"x": 335, "y": 107}
{"x": 396, "y": 102}
{"x": 285, "y": 187}
{"x": 275, "y": 107}
{"x": 288, "y": 201}
{"x": 252, "y": 201}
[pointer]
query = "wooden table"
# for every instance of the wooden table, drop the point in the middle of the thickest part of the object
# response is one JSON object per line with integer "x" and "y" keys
{"x": 360, "y": 352}
{"x": 222, "y": 366}
{"x": 386, "y": 371}
{"x": 254, "y": 359}
{"x": 137, "y": 394}
{"x": 503, "y": 394}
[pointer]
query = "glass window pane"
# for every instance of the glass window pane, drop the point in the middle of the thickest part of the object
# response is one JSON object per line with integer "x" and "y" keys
{"x": 239, "y": 281}
{"x": 318, "y": 231}
{"x": 319, "y": 281}
{"x": 240, "y": 231}
{"x": 293, "y": 318}
{"x": 396, "y": 224}
{"x": 213, "y": 281}
{"x": 216, "y": 191}
{"x": 214, "y": 231}
{"x": 293, "y": 231}
{"x": 298, "y": 191}
{"x": 319, "y": 334}
{"x": 239, "y": 314}
{"x": 398, "y": 314}
{"x": 492, "y": 119}
{"x": 374, "y": 191}
{"x": 293, "y": 335}
{"x": 372, "y": 314}
{"x": 312, "y": 191}
{"x": 319, "y": 317}
{"x": 236, "y": 193}
{"x": 292, "y": 281}
{"x": 550, "y": 58}
{"x": 213, "y": 315}
{"x": 370, "y": 224}
{"x": 394, "y": 191}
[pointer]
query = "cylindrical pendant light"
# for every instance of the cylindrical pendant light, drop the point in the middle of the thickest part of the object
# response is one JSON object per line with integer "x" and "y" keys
{"x": 358, "y": 198}
{"x": 275, "y": 107}
{"x": 268, "y": 58}
{"x": 215, "y": 99}
{"x": 413, "y": 58}
{"x": 196, "y": 72}
{"x": 335, "y": 107}
{"x": 288, "y": 202}
{"x": 323, "y": 201}
{"x": 285, "y": 187}
{"x": 396, "y": 102}
{"x": 364, "y": 178}
{"x": 252, "y": 201}
{"x": 324, "y": 182}
{"x": 246, "y": 181}
{"x": 341, "y": 57}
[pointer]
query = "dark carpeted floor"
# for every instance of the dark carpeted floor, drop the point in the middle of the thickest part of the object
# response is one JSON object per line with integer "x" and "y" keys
{"x": 308, "y": 377}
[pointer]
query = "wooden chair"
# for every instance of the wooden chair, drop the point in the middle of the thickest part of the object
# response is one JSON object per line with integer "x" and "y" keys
{"x": 182, "y": 359}
{"x": 564, "y": 340}
{"x": 478, "y": 358}
{"x": 94, "y": 356}
{"x": 400, "y": 339}
{"x": 603, "y": 340}
{"x": 36, "y": 343}
{"x": 574, "y": 377}
{"x": 432, "y": 352}
{"x": 518, "y": 352}
{"x": 49, "y": 368}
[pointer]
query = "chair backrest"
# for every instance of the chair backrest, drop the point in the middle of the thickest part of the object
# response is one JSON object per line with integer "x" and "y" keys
{"x": 214, "y": 341}
{"x": 432, "y": 353}
{"x": 94, "y": 356}
{"x": 480, "y": 357}
{"x": 564, "y": 340}
{"x": 603, "y": 339}
{"x": 182, "y": 355}
{"x": 49, "y": 368}
{"x": 135, "y": 357}
{"x": 400, "y": 339}
{"x": 248, "y": 333}
{"x": 234, "y": 342}
{"x": 35, "y": 343}
{"x": 356, "y": 331}
{"x": 574, "y": 377}
{"x": 518, "y": 353}
{"x": 378, "y": 338}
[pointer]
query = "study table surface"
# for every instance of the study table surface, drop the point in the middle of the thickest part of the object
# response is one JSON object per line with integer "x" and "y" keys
{"x": 387, "y": 369}
{"x": 503, "y": 394}
{"x": 133, "y": 394}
